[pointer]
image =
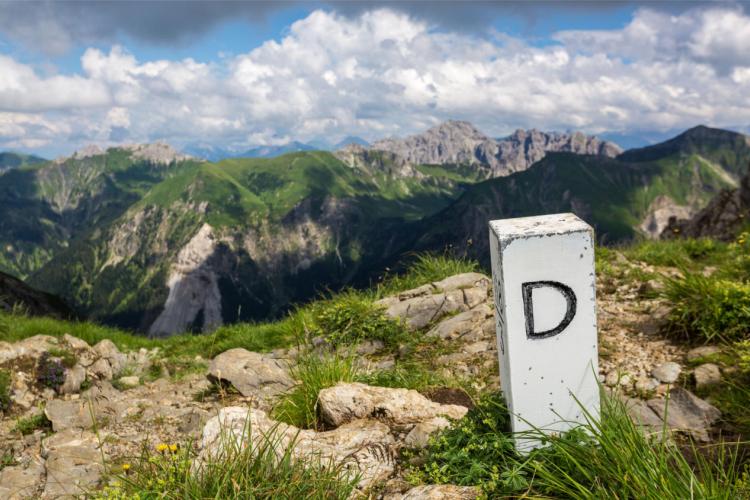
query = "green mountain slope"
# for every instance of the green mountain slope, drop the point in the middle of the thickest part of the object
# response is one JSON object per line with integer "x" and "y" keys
{"x": 47, "y": 206}
{"x": 615, "y": 195}
{"x": 10, "y": 160}
{"x": 239, "y": 239}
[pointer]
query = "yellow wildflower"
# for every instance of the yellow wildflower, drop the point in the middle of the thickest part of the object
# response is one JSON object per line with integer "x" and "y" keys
{"x": 161, "y": 447}
{"x": 173, "y": 448}
{"x": 126, "y": 467}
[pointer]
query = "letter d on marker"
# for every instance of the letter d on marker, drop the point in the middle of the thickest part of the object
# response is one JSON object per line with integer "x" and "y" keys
{"x": 548, "y": 358}
{"x": 528, "y": 307}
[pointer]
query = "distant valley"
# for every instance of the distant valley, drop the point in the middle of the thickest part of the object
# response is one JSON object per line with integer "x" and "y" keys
{"x": 162, "y": 241}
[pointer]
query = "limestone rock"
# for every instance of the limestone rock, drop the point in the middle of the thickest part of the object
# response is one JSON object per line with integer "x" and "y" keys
{"x": 461, "y": 324}
{"x": 687, "y": 413}
{"x": 362, "y": 447}
{"x": 706, "y": 375}
{"x": 349, "y": 401}
{"x": 420, "y": 435}
{"x": 74, "y": 377}
{"x": 250, "y": 373}
{"x": 667, "y": 373}
{"x": 101, "y": 369}
{"x": 74, "y": 464}
{"x": 68, "y": 414}
{"x": 439, "y": 492}
{"x": 21, "y": 481}
{"x": 421, "y": 306}
{"x": 108, "y": 351}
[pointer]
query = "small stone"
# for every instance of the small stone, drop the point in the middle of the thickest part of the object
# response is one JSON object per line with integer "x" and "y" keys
{"x": 667, "y": 373}
{"x": 131, "y": 381}
{"x": 702, "y": 352}
{"x": 706, "y": 375}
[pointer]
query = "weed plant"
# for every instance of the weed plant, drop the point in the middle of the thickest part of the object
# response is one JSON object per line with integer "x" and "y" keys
{"x": 28, "y": 425}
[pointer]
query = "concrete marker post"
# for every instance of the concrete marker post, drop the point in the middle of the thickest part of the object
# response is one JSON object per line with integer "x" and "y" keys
{"x": 545, "y": 310}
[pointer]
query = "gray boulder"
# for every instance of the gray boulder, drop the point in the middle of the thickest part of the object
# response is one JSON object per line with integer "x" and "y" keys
{"x": 251, "y": 373}
{"x": 399, "y": 407}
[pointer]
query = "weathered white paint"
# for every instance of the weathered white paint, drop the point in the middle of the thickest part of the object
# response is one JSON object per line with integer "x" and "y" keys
{"x": 542, "y": 376}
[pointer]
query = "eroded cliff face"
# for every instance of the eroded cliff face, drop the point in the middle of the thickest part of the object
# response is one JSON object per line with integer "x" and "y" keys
{"x": 659, "y": 213}
{"x": 194, "y": 301}
{"x": 192, "y": 276}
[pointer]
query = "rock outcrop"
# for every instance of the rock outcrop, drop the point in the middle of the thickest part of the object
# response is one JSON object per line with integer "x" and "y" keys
{"x": 726, "y": 214}
{"x": 460, "y": 143}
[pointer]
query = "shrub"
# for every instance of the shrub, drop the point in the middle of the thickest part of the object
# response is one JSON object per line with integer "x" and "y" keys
{"x": 299, "y": 406}
{"x": 706, "y": 308}
{"x": 4, "y": 391}
{"x": 349, "y": 318}
{"x": 50, "y": 372}
{"x": 260, "y": 470}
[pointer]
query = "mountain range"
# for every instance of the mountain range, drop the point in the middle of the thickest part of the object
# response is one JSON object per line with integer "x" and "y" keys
{"x": 10, "y": 160}
{"x": 155, "y": 240}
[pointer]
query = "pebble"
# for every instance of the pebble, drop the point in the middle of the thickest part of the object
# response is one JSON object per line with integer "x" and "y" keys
{"x": 667, "y": 373}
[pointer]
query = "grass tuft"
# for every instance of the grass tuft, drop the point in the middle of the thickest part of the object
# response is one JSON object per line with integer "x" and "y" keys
{"x": 426, "y": 268}
{"x": 28, "y": 425}
{"x": 299, "y": 407}
{"x": 708, "y": 309}
{"x": 349, "y": 318}
{"x": 264, "y": 469}
{"x": 607, "y": 458}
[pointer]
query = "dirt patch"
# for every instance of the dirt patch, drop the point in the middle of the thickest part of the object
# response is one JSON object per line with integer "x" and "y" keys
{"x": 450, "y": 396}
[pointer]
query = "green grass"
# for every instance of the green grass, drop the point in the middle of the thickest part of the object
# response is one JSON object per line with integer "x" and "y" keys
{"x": 299, "y": 406}
{"x": 708, "y": 309}
{"x": 264, "y": 469}
{"x": 28, "y": 425}
{"x": 607, "y": 458}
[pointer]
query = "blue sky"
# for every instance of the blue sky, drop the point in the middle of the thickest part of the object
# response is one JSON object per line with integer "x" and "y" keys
{"x": 236, "y": 75}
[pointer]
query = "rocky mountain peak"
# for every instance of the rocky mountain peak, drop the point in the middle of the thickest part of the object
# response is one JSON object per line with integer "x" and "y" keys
{"x": 157, "y": 152}
{"x": 460, "y": 142}
{"x": 87, "y": 152}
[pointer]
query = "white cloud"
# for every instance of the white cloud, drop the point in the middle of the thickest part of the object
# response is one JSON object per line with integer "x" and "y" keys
{"x": 386, "y": 73}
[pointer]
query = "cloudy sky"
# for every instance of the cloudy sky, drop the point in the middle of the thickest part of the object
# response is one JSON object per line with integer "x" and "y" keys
{"x": 236, "y": 75}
